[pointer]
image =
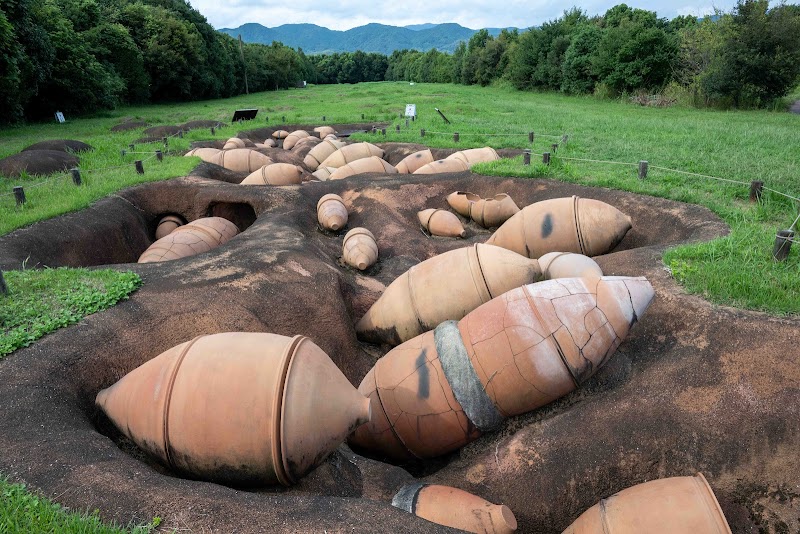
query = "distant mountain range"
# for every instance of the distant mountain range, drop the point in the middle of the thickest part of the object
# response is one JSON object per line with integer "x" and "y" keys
{"x": 380, "y": 38}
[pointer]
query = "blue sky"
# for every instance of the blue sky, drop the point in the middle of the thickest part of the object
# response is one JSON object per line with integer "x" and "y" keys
{"x": 345, "y": 14}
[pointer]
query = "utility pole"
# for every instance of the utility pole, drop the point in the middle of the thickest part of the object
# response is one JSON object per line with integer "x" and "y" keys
{"x": 241, "y": 52}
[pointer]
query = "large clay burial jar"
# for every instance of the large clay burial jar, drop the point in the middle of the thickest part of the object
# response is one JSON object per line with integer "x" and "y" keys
{"x": 205, "y": 154}
{"x": 678, "y": 505}
{"x": 237, "y": 408}
{"x": 359, "y": 248}
{"x": 318, "y": 154}
{"x": 196, "y": 237}
{"x": 520, "y": 351}
{"x": 461, "y": 201}
{"x": 293, "y": 138}
{"x": 241, "y": 160}
{"x": 350, "y": 153}
{"x": 234, "y": 142}
{"x": 573, "y": 224}
{"x": 441, "y": 223}
{"x": 332, "y": 212}
{"x": 455, "y": 508}
{"x": 447, "y": 286}
{"x": 442, "y": 165}
{"x": 414, "y": 161}
{"x": 492, "y": 212}
{"x": 475, "y": 155}
{"x": 167, "y": 225}
{"x": 275, "y": 174}
{"x": 361, "y": 166}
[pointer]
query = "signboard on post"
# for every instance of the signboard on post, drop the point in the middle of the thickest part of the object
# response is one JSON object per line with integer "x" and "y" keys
{"x": 411, "y": 110}
{"x": 60, "y": 117}
{"x": 244, "y": 115}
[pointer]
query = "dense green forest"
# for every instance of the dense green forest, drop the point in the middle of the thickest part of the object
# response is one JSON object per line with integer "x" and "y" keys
{"x": 80, "y": 56}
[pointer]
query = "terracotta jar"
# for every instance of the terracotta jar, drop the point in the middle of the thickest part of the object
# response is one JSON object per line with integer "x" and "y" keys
{"x": 441, "y": 223}
{"x": 280, "y": 134}
{"x": 270, "y": 143}
{"x": 414, "y": 161}
{"x": 569, "y": 265}
{"x": 332, "y": 212}
{"x": 444, "y": 287}
{"x": 361, "y": 166}
{"x": 304, "y": 145}
{"x": 359, "y": 248}
{"x": 293, "y": 138}
{"x": 198, "y": 236}
{"x": 323, "y": 173}
{"x": 455, "y": 508}
{"x": 350, "y": 153}
{"x": 275, "y": 174}
{"x": 205, "y": 154}
{"x": 573, "y": 224}
{"x": 678, "y": 505}
{"x": 233, "y": 142}
{"x": 324, "y": 131}
{"x": 167, "y": 225}
{"x": 235, "y": 407}
{"x": 241, "y": 159}
{"x": 318, "y": 154}
{"x": 443, "y": 165}
{"x": 475, "y": 155}
{"x": 492, "y": 212}
{"x": 461, "y": 201}
{"x": 520, "y": 351}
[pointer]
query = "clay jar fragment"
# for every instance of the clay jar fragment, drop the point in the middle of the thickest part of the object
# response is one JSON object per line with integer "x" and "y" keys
{"x": 237, "y": 408}
{"x": 318, "y": 154}
{"x": 492, "y": 212}
{"x": 293, "y": 138}
{"x": 196, "y": 237}
{"x": 167, "y": 225}
{"x": 455, "y": 508}
{"x": 441, "y": 223}
{"x": 361, "y": 166}
{"x": 569, "y": 265}
{"x": 520, "y": 351}
{"x": 205, "y": 154}
{"x": 233, "y": 142}
{"x": 444, "y": 287}
{"x": 443, "y": 165}
{"x": 275, "y": 174}
{"x": 241, "y": 160}
{"x": 324, "y": 131}
{"x": 460, "y": 201}
{"x": 675, "y": 505}
{"x": 280, "y": 134}
{"x": 359, "y": 248}
{"x": 350, "y": 153}
{"x": 414, "y": 161}
{"x": 475, "y": 155}
{"x": 574, "y": 224}
{"x": 323, "y": 173}
{"x": 332, "y": 212}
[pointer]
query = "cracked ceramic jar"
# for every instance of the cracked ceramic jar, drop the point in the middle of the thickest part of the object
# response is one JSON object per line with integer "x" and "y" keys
{"x": 167, "y": 225}
{"x": 492, "y": 212}
{"x": 280, "y": 134}
{"x": 275, "y": 174}
{"x": 319, "y": 153}
{"x": 445, "y": 287}
{"x": 205, "y": 154}
{"x": 361, "y": 166}
{"x": 235, "y": 407}
{"x": 350, "y": 153}
{"x": 461, "y": 201}
{"x": 332, "y": 212}
{"x": 414, "y": 161}
{"x": 442, "y": 165}
{"x": 475, "y": 155}
{"x": 241, "y": 160}
{"x": 441, "y": 223}
{"x": 323, "y": 173}
{"x": 234, "y": 142}
{"x": 359, "y": 248}
{"x": 324, "y": 131}
{"x": 455, "y": 508}
{"x": 572, "y": 224}
{"x": 292, "y": 139}
{"x": 677, "y": 505}
{"x": 520, "y": 351}
{"x": 198, "y": 236}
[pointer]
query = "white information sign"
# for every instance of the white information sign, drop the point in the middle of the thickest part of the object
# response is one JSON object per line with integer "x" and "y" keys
{"x": 411, "y": 110}
{"x": 60, "y": 117}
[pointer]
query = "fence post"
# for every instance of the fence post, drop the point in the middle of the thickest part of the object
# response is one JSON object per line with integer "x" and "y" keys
{"x": 546, "y": 158}
{"x": 213, "y": 131}
{"x": 323, "y": 118}
{"x": 159, "y": 155}
{"x": 3, "y": 286}
{"x": 122, "y": 153}
{"x": 554, "y": 146}
{"x": 422, "y": 132}
{"x": 383, "y": 131}
{"x": 362, "y": 116}
{"x": 526, "y": 157}
{"x": 756, "y": 188}
{"x": 407, "y": 123}
{"x": 643, "y": 169}
{"x": 139, "y": 166}
{"x": 397, "y": 128}
{"x": 19, "y": 195}
{"x": 283, "y": 118}
{"x": 530, "y": 137}
{"x": 455, "y": 137}
{"x": 783, "y": 243}
{"x": 180, "y": 134}
{"x": 166, "y": 141}
{"x": 76, "y": 176}
{"x": 131, "y": 147}
{"x": 564, "y": 139}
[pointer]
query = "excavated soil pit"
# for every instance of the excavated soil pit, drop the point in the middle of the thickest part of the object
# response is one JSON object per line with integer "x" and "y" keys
{"x": 693, "y": 388}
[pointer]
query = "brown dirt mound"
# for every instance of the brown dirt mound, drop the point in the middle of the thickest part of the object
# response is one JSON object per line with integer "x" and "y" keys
{"x": 694, "y": 387}
{"x": 129, "y": 125}
{"x": 38, "y": 162}
{"x": 63, "y": 145}
{"x": 162, "y": 131}
{"x": 196, "y": 125}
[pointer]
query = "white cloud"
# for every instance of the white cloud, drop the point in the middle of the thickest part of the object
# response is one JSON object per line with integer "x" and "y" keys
{"x": 696, "y": 11}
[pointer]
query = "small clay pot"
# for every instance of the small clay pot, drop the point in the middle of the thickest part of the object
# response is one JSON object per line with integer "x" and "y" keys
{"x": 361, "y": 166}
{"x": 443, "y": 165}
{"x": 318, "y": 154}
{"x": 241, "y": 160}
{"x": 323, "y": 173}
{"x": 205, "y": 154}
{"x": 332, "y": 212}
{"x": 293, "y": 138}
{"x": 569, "y": 265}
{"x": 573, "y": 224}
{"x": 475, "y": 155}
{"x": 234, "y": 142}
{"x": 455, "y": 508}
{"x": 522, "y": 350}
{"x": 414, "y": 161}
{"x": 441, "y": 223}
{"x": 460, "y": 201}
{"x": 324, "y": 131}
{"x": 492, "y": 212}
{"x": 350, "y": 153}
{"x": 167, "y": 225}
{"x": 674, "y": 505}
{"x": 359, "y": 248}
{"x": 198, "y": 236}
{"x": 445, "y": 287}
{"x": 280, "y": 134}
{"x": 235, "y": 407}
{"x": 275, "y": 174}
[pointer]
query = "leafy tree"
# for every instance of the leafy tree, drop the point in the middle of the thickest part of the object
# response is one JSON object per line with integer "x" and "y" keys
{"x": 578, "y": 69}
